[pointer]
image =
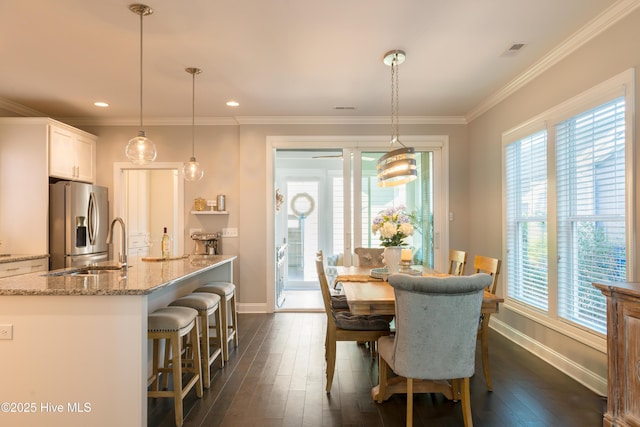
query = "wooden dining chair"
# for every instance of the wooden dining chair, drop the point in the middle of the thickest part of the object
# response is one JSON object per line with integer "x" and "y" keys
{"x": 457, "y": 262}
{"x": 435, "y": 339}
{"x": 344, "y": 326}
{"x": 490, "y": 266}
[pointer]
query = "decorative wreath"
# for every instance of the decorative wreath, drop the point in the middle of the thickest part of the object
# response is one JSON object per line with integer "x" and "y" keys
{"x": 298, "y": 208}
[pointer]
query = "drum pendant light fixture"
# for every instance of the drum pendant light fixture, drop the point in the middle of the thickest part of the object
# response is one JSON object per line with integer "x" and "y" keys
{"x": 141, "y": 150}
{"x": 192, "y": 170}
{"x": 398, "y": 166}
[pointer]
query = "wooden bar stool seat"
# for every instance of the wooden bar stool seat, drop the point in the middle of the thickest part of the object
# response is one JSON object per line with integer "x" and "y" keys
{"x": 206, "y": 304}
{"x": 171, "y": 324}
{"x": 227, "y": 291}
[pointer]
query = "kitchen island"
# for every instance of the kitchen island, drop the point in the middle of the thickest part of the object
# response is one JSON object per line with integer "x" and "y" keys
{"x": 74, "y": 348}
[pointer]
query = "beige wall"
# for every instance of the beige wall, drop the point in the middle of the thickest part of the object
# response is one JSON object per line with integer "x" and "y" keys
{"x": 602, "y": 58}
{"x": 234, "y": 160}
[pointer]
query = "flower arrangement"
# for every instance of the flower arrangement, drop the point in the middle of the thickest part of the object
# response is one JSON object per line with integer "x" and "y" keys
{"x": 394, "y": 225}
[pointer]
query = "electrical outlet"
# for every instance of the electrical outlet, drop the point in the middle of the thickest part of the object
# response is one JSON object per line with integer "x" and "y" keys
{"x": 6, "y": 332}
{"x": 230, "y": 232}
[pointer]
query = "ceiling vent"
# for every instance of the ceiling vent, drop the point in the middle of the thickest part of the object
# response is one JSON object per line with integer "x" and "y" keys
{"x": 513, "y": 49}
{"x": 344, "y": 108}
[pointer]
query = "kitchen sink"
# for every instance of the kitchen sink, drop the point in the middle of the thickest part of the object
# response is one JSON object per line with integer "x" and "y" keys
{"x": 91, "y": 270}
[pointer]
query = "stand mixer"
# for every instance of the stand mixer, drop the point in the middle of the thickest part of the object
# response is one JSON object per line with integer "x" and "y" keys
{"x": 207, "y": 243}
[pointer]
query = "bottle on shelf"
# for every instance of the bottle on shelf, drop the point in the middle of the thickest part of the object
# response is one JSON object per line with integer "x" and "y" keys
{"x": 165, "y": 244}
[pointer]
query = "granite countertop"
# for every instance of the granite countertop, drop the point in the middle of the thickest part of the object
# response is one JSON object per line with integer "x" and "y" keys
{"x": 20, "y": 257}
{"x": 140, "y": 278}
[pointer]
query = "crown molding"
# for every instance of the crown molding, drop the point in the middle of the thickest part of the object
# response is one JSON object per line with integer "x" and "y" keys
{"x": 595, "y": 27}
{"x": 267, "y": 120}
{"x": 355, "y": 120}
{"x": 14, "y": 107}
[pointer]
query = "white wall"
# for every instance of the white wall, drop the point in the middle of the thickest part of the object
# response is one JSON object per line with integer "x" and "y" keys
{"x": 600, "y": 59}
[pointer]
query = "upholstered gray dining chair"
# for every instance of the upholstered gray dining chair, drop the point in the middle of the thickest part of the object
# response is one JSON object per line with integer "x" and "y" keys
{"x": 370, "y": 257}
{"x": 435, "y": 339}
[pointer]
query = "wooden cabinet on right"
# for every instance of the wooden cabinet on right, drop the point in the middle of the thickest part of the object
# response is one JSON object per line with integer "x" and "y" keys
{"x": 623, "y": 347}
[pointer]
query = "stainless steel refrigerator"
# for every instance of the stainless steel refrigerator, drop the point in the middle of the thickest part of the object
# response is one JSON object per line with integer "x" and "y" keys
{"x": 78, "y": 223}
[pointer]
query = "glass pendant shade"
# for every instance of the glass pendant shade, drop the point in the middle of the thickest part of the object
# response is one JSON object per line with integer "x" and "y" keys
{"x": 192, "y": 170}
{"x": 141, "y": 150}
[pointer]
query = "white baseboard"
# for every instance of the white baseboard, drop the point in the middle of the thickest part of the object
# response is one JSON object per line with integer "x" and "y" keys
{"x": 579, "y": 373}
{"x": 251, "y": 307}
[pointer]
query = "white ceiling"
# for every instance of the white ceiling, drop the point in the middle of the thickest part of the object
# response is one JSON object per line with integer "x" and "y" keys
{"x": 275, "y": 57}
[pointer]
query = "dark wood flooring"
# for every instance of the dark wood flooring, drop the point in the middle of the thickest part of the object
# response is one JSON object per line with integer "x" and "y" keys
{"x": 276, "y": 378}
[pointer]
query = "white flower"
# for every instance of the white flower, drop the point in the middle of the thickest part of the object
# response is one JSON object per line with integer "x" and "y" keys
{"x": 406, "y": 229}
{"x": 388, "y": 230}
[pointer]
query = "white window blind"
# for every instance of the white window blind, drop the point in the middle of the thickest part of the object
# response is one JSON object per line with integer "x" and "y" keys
{"x": 590, "y": 174}
{"x": 526, "y": 197}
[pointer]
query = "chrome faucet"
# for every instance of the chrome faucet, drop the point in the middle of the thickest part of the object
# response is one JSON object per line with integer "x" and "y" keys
{"x": 123, "y": 241}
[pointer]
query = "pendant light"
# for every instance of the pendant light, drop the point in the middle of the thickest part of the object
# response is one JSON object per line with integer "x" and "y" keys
{"x": 192, "y": 170}
{"x": 141, "y": 150}
{"x": 398, "y": 166}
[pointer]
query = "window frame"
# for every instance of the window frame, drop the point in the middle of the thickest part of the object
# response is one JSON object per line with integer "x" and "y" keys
{"x": 617, "y": 86}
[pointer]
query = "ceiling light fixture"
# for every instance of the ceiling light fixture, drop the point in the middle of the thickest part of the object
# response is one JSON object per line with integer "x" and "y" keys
{"x": 192, "y": 170}
{"x": 398, "y": 166}
{"x": 141, "y": 150}
{"x": 232, "y": 103}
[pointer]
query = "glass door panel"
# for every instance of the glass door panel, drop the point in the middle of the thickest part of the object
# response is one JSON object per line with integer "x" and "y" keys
{"x": 416, "y": 197}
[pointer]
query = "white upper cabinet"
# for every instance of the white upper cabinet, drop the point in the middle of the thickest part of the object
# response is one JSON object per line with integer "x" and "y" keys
{"x": 72, "y": 154}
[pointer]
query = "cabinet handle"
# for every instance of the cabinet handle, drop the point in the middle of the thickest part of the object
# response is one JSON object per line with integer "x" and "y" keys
{"x": 36, "y": 266}
{"x": 13, "y": 269}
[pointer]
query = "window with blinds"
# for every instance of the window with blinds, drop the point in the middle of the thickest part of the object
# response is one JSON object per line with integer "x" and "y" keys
{"x": 590, "y": 175}
{"x": 526, "y": 216}
{"x": 567, "y": 215}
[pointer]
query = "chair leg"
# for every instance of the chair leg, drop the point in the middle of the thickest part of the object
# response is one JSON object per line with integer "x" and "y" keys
{"x": 331, "y": 359}
{"x": 455, "y": 389}
{"x": 234, "y": 316}
{"x": 409, "y": 402}
{"x": 466, "y": 403}
{"x": 177, "y": 378}
{"x": 484, "y": 343}
{"x": 383, "y": 375}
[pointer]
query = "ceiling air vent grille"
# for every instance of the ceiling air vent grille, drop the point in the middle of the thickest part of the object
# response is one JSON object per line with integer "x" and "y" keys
{"x": 513, "y": 49}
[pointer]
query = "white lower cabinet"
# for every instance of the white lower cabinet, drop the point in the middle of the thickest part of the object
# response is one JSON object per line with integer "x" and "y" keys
{"x": 15, "y": 268}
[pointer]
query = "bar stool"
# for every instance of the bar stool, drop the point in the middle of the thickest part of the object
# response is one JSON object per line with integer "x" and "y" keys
{"x": 171, "y": 324}
{"x": 226, "y": 290}
{"x": 206, "y": 304}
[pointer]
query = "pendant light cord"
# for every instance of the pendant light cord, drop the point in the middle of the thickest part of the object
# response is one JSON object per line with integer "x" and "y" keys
{"x": 395, "y": 108}
{"x": 193, "y": 115}
{"x": 141, "y": 55}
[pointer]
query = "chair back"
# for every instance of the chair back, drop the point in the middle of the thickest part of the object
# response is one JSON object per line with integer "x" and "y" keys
{"x": 457, "y": 262}
{"x": 436, "y": 325}
{"x": 370, "y": 257}
{"x": 324, "y": 289}
{"x": 490, "y": 266}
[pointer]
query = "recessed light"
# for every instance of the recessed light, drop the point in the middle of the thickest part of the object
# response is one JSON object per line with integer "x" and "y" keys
{"x": 100, "y": 104}
{"x": 232, "y": 103}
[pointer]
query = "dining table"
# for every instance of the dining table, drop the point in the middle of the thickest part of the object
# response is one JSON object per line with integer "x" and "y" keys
{"x": 369, "y": 294}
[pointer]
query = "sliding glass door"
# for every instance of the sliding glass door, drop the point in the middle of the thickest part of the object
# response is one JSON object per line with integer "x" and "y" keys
{"x": 330, "y": 197}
